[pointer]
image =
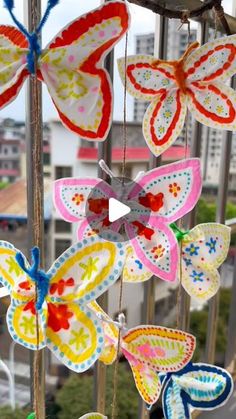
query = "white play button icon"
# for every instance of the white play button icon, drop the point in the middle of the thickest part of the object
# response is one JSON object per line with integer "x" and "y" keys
{"x": 117, "y": 210}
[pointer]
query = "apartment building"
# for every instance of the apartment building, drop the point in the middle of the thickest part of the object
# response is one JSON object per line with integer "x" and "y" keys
{"x": 10, "y": 148}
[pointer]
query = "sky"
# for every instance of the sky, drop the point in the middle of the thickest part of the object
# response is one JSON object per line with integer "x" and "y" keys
{"x": 143, "y": 21}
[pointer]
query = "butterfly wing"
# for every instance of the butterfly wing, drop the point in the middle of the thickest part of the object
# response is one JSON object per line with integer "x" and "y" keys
{"x": 86, "y": 270}
{"x": 147, "y": 382}
{"x": 146, "y": 80}
{"x": 71, "y": 197}
{"x": 213, "y": 104}
{"x": 109, "y": 352}
{"x": 21, "y": 314}
{"x": 156, "y": 248}
{"x": 201, "y": 386}
{"x": 150, "y": 349}
{"x": 172, "y": 402}
{"x": 204, "y": 249}
{"x": 81, "y": 274}
{"x": 168, "y": 193}
{"x": 164, "y": 118}
{"x": 206, "y": 69}
{"x": 93, "y": 415}
{"x": 134, "y": 270}
{"x": 215, "y": 60}
{"x": 74, "y": 335}
{"x": 13, "y": 58}
{"x": 73, "y": 69}
{"x": 22, "y": 324}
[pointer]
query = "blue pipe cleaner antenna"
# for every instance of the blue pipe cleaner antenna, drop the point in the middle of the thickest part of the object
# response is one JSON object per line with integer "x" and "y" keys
{"x": 33, "y": 37}
{"x": 37, "y": 275}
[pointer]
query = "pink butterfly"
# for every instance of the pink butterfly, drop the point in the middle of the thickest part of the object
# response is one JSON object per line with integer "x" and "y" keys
{"x": 195, "y": 82}
{"x": 72, "y": 66}
{"x": 162, "y": 195}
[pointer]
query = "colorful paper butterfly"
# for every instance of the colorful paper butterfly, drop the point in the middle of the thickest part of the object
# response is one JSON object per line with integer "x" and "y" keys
{"x": 199, "y": 386}
{"x": 148, "y": 349}
{"x": 204, "y": 249}
{"x": 195, "y": 82}
{"x": 162, "y": 195}
{"x": 67, "y": 325}
{"x": 72, "y": 66}
{"x": 93, "y": 415}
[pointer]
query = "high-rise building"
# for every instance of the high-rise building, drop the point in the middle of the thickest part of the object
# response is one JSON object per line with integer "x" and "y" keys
{"x": 212, "y": 139}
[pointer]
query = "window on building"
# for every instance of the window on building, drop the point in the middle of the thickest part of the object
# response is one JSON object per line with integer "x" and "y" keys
{"x": 5, "y": 151}
{"x": 5, "y": 165}
{"x": 46, "y": 158}
{"x": 63, "y": 171}
{"x": 14, "y": 149}
{"x": 15, "y": 165}
{"x": 60, "y": 246}
{"x": 62, "y": 226}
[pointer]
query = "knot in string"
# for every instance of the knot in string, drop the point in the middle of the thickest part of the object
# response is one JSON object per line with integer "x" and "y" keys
{"x": 185, "y": 20}
{"x": 179, "y": 234}
{"x": 37, "y": 275}
{"x": 185, "y": 17}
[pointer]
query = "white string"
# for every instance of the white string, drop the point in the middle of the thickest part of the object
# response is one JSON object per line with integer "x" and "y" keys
{"x": 106, "y": 169}
{"x": 121, "y": 323}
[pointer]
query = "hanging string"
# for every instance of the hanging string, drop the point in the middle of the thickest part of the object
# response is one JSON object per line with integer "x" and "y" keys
{"x": 116, "y": 366}
{"x": 185, "y": 21}
{"x": 38, "y": 196}
{"x": 124, "y": 111}
{"x": 180, "y": 234}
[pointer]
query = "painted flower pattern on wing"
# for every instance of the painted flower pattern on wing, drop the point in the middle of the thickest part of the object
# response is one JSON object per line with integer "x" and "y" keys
{"x": 58, "y": 316}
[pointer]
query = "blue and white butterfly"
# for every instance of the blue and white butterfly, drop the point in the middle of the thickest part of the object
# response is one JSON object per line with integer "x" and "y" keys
{"x": 196, "y": 386}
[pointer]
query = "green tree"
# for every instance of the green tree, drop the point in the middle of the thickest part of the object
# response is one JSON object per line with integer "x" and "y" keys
{"x": 3, "y": 185}
{"x": 7, "y": 413}
{"x": 75, "y": 398}
{"x": 206, "y": 213}
{"x": 198, "y": 324}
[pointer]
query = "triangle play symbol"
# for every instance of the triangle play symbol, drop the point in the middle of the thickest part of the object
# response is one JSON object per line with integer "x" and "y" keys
{"x": 117, "y": 210}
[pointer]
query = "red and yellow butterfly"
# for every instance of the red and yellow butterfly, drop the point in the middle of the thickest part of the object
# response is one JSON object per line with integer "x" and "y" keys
{"x": 195, "y": 82}
{"x": 72, "y": 66}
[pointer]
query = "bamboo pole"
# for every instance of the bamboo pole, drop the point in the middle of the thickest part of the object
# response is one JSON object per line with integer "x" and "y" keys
{"x": 35, "y": 220}
{"x": 148, "y": 312}
{"x": 104, "y": 152}
{"x": 195, "y": 150}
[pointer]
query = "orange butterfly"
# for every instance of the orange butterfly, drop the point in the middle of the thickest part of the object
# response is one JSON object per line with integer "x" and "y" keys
{"x": 195, "y": 82}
